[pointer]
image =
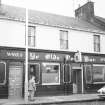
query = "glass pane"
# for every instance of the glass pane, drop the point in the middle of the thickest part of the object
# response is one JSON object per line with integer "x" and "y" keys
{"x": 50, "y": 73}
{"x": 88, "y": 73}
{"x": 2, "y": 73}
{"x": 96, "y": 43}
{"x": 64, "y": 35}
{"x": 31, "y": 41}
{"x": 31, "y": 31}
{"x": 63, "y": 44}
{"x": 99, "y": 73}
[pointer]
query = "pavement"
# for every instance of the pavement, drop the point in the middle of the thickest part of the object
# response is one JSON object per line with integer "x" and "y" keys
{"x": 52, "y": 99}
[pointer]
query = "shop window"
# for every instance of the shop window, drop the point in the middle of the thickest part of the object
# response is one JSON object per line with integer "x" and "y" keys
{"x": 34, "y": 69}
{"x": 66, "y": 73}
{"x": 88, "y": 74}
{"x": 50, "y": 73}
{"x": 63, "y": 39}
{"x": 98, "y": 73}
{"x": 2, "y": 73}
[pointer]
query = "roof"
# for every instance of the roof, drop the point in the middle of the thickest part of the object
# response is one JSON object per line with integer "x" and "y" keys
{"x": 38, "y": 17}
{"x": 101, "y": 19}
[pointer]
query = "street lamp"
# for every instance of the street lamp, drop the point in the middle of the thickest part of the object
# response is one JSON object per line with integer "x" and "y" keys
{"x": 26, "y": 55}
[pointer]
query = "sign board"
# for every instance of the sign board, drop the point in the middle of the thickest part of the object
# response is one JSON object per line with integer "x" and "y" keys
{"x": 93, "y": 59}
{"x": 78, "y": 57}
{"x": 14, "y": 54}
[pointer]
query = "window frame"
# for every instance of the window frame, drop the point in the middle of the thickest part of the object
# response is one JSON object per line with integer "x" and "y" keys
{"x": 51, "y": 63}
{"x": 32, "y": 36}
{"x": 97, "y": 45}
{"x": 39, "y": 69}
{"x": 69, "y": 73}
{"x": 5, "y": 73}
{"x": 63, "y": 40}
{"x": 104, "y": 73}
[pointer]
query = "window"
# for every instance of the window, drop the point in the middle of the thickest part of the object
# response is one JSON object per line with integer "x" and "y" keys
{"x": 31, "y": 36}
{"x": 63, "y": 39}
{"x": 2, "y": 73}
{"x": 98, "y": 73}
{"x": 96, "y": 43}
{"x": 66, "y": 73}
{"x": 50, "y": 73}
{"x": 88, "y": 74}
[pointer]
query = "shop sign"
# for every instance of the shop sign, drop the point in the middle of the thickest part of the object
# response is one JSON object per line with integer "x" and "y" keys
{"x": 12, "y": 54}
{"x": 52, "y": 56}
{"x": 33, "y": 56}
{"x": 94, "y": 59}
{"x": 49, "y": 56}
{"x": 78, "y": 56}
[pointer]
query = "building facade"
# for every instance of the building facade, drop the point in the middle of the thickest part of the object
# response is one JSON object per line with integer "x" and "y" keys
{"x": 67, "y": 54}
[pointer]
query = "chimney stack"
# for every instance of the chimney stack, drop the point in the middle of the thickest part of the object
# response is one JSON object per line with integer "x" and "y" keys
{"x": 85, "y": 12}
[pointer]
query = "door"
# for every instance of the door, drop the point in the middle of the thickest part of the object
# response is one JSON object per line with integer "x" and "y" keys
{"x": 15, "y": 79}
{"x": 34, "y": 69}
{"x": 66, "y": 77}
{"x": 77, "y": 81}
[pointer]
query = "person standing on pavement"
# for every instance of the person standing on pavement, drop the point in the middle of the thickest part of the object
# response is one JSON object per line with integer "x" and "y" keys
{"x": 32, "y": 88}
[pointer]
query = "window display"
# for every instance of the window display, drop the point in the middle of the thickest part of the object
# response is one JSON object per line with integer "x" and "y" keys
{"x": 98, "y": 73}
{"x": 50, "y": 73}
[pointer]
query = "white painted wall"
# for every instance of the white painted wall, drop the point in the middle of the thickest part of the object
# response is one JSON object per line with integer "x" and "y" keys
{"x": 49, "y": 38}
{"x": 12, "y": 33}
{"x": 82, "y": 41}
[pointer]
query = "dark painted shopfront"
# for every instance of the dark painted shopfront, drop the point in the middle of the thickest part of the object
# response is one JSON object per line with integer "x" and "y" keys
{"x": 52, "y": 71}
{"x": 94, "y": 72}
{"x": 56, "y": 72}
{"x": 11, "y": 73}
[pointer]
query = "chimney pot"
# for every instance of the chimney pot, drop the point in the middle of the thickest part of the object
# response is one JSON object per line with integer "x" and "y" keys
{"x": 85, "y": 12}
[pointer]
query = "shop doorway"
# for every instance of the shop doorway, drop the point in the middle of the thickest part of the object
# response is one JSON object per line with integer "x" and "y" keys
{"x": 34, "y": 69}
{"x": 77, "y": 81}
{"x": 15, "y": 80}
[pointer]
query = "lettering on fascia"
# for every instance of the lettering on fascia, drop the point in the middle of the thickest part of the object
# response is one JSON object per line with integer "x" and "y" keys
{"x": 68, "y": 57}
{"x": 14, "y": 54}
{"x": 33, "y": 56}
{"x": 87, "y": 59}
{"x": 52, "y": 57}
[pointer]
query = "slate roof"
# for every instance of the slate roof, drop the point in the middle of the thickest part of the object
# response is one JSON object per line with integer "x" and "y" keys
{"x": 101, "y": 19}
{"x": 38, "y": 17}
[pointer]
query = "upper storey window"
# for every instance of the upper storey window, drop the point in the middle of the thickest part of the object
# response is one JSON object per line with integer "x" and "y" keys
{"x": 31, "y": 36}
{"x": 63, "y": 39}
{"x": 96, "y": 43}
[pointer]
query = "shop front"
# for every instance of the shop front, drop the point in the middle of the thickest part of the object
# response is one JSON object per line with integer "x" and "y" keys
{"x": 52, "y": 72}
{"x": 56, "y": 72}
{"x": 11, "y": 73}
{"x": 94, "y": 72}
